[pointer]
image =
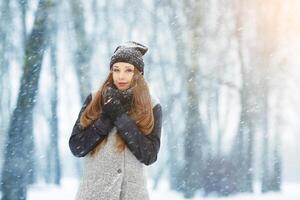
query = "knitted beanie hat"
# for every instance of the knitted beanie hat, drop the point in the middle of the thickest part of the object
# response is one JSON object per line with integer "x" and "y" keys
{"x": 130, "y": 52}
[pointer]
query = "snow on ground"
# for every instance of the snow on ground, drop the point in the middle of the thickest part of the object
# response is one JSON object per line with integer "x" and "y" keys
{"x": 68, "y": 189}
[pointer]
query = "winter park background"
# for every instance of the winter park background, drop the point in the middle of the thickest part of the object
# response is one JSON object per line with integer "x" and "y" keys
{"x": 227, "y": 73}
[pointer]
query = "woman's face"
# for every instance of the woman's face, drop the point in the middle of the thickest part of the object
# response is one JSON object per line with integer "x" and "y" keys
{"x": 122, "y": 75}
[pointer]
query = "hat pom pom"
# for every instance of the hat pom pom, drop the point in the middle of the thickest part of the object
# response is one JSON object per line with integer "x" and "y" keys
{"x": 137, "y": 46}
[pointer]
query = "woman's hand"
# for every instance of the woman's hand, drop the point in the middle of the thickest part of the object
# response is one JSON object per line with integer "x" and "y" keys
{"x": 112, "y": 109}
{"x": 126, "y": 97}
{"x": 116, "y": 102}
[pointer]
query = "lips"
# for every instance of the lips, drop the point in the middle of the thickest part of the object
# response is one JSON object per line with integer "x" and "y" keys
{"x": 122, "y": 84}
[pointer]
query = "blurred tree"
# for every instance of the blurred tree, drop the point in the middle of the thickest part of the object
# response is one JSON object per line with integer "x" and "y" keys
{"x": 6, "y": 25}
{"x": 82, "y": 52}
{"x": 19, "y": 152}
{"x": 268, "y": 14}
{"x": 53, "y": 172}
{"x": 81, "y": 56}
{"x": 194, "y": 135}
{"x": 174, "y": 14}
{"x": 242, "y": 151}
{"x": 23, "y": 7}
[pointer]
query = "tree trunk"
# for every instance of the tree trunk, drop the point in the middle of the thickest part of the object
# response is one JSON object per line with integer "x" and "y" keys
{"x": 23, "y": 7}
{"x": 53, "y": 157}
{"x": 242, "y": 152}
{"x": 19, "y": 154}
{"x": 176, "y": 27}
{"x": 265, "y": 152}
{"x": 277, "y": 160}
{"x": 194, "y": 137}
{"x": 83, "y": 49}
{"x": 5, "y": 51}
{"x": 81, "y": 57}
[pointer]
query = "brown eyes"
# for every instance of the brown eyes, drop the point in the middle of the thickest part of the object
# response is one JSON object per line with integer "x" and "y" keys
{"x": 128, "y": 70}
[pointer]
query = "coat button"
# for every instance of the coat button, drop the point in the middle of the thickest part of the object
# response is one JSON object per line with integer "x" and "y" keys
{"x": 119, "y": 171}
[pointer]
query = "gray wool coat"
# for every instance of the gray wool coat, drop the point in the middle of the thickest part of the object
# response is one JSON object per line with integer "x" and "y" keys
{"x": 110, "y": 175}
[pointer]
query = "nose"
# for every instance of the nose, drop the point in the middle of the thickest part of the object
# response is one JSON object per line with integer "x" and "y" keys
{"x": 121, "y": 75}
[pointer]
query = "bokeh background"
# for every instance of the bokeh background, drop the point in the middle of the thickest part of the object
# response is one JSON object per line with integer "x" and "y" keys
{"x": 226, "y": 73}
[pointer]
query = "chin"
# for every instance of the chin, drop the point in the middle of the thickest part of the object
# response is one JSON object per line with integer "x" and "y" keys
{"x": 124, "y": 88}
{"x": 120, "y": 88}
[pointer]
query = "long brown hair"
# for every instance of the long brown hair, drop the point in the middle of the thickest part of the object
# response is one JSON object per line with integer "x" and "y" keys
{"x": 141, "y": 109}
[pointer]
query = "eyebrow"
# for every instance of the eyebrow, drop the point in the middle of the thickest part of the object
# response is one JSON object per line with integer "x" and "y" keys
{"x": 116, "y": 66}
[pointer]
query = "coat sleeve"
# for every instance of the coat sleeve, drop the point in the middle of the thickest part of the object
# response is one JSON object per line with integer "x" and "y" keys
{"x": 83, "y": 140}
{"x": 144, "y": 147}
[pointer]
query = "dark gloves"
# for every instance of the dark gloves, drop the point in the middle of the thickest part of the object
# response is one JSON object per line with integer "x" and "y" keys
{"x": 116, "y": 102}
{"x": 126, "y": 97}
{"x": 144, "y": 147}
{"x": 83, "y": 140}
{"x": 112, "y": 108}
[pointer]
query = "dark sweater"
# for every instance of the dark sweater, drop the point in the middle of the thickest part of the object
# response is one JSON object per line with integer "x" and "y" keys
{"x": 144, "y": 147}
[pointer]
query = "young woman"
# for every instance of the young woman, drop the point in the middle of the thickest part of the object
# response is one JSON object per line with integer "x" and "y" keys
{"x": 118, "y": 131}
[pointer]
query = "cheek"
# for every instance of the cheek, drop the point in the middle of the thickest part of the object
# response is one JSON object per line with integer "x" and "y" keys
{"x": 114, "y": 76}
{"x": 130, "y": 78}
